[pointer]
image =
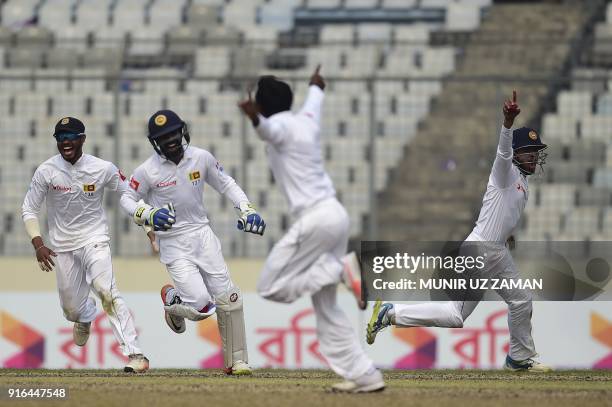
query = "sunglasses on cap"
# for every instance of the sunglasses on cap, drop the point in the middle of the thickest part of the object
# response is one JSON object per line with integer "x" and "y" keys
{"x": 67, "y": 136}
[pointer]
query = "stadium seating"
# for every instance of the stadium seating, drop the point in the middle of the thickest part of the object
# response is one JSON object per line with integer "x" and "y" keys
{"x": 198, "y": 56}
{"x": 578, "y": 175}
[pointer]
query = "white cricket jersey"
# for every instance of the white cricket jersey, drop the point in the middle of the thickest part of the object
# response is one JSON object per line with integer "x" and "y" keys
{"x": 293, "y": 149}
{"x": 159, "y": 181}
{"x": 75, "y": 197}
{"x": 505, "y": 198}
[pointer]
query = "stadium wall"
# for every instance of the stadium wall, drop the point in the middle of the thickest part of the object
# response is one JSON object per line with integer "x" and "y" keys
{"x": 35, "y": 335}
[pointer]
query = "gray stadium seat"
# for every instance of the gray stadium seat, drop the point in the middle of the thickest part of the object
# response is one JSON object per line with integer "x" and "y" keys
{"x": 55, "y": 13}
{"x": 559, "y": 195}
{"x": 583, "y": 221}
{"x": 574, "y": 103}
{"x": 603, "y": 178}
{"x": 51, "y": 81}
{"x": 62, "y": 58}
{"x": 376, "y": 32}
{"x": 202, "y": 15}
{"x": 6, "y": 36}
{"x": 109, "y": 59}
{"x": 24, "y": 58}
{"x": 92, "y": 14}
{"x": 166, "y": 13}
{"x": 236, "y": 14}
{"x": 337, "y": 33}
{"x": 568, "y": 172}
{"x": 212, "y": 61}
{"x": 556, "y": 127}
{"x": 594, "y": 196}
{"x": 183, "y": 40}
{"x": 462, "y": 17}
{"x": 89, "y": 79}
{"x": 604, "y": 104}
{"x": 34, "y": 37}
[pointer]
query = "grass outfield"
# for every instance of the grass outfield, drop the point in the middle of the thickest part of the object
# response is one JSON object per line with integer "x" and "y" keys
{"x": 270, "y": 387}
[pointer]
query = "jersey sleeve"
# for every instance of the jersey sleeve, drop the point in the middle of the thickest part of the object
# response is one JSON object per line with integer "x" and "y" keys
{"x": 313, "y": 103}
{"x": 37, "y": 192}
{"x": 501, "y": 174}
{"x": 271, "y": 131}
{"x": 216, "y": 177}
{"x": 135, "y": 190}
{"x": 115, "y": 180}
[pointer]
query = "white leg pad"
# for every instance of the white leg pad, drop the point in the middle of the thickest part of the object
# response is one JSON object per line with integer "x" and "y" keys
{"x": 230, "y": 318}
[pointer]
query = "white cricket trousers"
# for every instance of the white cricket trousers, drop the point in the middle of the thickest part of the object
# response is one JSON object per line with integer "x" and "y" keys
{"x": 91, "y": 268}
{"x": 452, "y": 314}
{"x": 307, "y": 261}
{"x": 196, "y": 266}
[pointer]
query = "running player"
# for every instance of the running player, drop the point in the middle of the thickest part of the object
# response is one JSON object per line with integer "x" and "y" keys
{"x": 73, "y": 185}
{"x": 308, "y": 259}
{"x": 518, "y": 154}
{"x": 174, "y": 177}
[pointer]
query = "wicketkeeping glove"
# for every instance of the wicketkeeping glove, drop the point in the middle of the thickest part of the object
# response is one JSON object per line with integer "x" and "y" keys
{"x": 158, "y": 218}
{"x": 249, "y": 220}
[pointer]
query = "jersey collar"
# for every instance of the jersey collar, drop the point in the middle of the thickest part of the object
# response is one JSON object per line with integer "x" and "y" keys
{"x": 187, "y": 154}
{"x": 79, "y": 163}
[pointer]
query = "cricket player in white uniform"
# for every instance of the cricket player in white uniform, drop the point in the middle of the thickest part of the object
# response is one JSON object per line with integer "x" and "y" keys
{"x": 518, "y": 154}
{"x": 308, "y": 260}
{"x": 174, "y": 177}
{"x": 73, "y": 185}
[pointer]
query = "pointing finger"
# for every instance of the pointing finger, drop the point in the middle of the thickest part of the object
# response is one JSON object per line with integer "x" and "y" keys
{"x": 316, "y": 72}
{"x": 250, "y": 91}
{"x": 514, "y": 96}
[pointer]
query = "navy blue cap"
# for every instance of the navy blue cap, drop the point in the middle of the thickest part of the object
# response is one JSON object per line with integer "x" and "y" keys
{"x": 69, "y": 125}
{"x": 164, "y": 122}
{"x": 526, "y": 137}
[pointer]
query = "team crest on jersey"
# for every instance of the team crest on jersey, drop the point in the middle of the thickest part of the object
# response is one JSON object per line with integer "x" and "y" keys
{"x": 194, "y": 177}
{"x": 533, "y": 135}
{"x": 89, "y": 189}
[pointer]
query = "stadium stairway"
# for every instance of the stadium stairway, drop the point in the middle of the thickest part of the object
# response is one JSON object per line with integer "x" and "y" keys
{"x": 436, "y": 191}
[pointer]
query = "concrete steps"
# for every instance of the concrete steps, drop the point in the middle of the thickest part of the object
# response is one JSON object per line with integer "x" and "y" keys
{"x": 437, "y": 188}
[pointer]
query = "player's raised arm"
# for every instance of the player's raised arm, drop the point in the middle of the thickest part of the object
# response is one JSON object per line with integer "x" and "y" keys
{"x": 500, "y": 175}
{"x": 30, "y": 209}
{"x": 249, "y": 108}
{"x": 314, "y": 99}
{"x": 249, "y": 220}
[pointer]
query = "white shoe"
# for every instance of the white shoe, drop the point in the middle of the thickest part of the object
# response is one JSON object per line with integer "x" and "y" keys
{"x": 239, "y": 368}
{"x": 80, "y": 332}
{"x": 176, "y": 323}
{"x": 351, "y": 277}
{"x": 527, "y": 365}
{"x": 370, "y": 382}
{"x": 138, "y": 364}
